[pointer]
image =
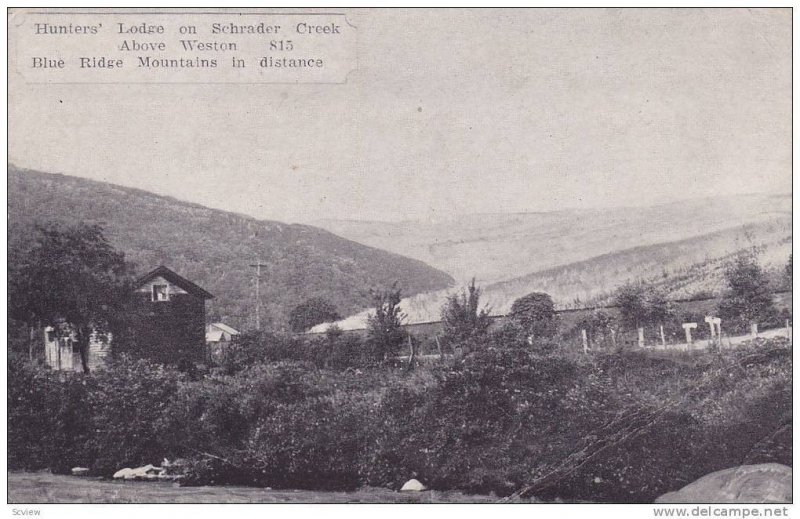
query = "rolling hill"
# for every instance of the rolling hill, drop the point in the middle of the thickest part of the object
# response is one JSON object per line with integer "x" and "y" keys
{"x": 501, "y": 247}
{"x": 683, "y": 268}
{"x": 214, "y": 248}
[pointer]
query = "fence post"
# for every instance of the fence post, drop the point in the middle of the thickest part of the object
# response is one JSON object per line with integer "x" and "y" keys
{"x": 413, "y": 354}
{"x": 718, "y": 324}
{"x": 585, "y": 341}
{"x": 713, "y": 339}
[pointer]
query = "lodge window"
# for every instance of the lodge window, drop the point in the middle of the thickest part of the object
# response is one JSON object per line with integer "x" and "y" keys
{"x": 160, "y": 293}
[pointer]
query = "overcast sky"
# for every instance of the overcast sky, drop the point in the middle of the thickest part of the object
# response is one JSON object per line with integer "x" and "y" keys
{"x": 452, "y": 111}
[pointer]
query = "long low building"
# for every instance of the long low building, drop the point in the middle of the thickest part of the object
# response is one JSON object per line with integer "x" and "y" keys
{"x": 570, "y": 319}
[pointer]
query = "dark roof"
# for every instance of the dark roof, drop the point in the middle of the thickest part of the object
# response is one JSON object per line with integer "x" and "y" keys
{"x": 172, "y": 277}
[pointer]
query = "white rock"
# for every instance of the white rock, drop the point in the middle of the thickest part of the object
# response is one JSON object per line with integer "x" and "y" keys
{"x": 123, "y": 473}
{"x": 80, "y": 471}
{"x": 413, "y": 485}
{"x": 765, "y": 483}
{"x": 145, "y": 472}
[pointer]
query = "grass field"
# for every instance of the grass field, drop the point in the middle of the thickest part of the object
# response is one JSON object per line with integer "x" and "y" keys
{"x": 43, "y": 487}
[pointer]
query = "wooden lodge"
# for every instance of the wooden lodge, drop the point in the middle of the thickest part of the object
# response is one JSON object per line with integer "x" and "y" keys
{"x": 164, "y": 321}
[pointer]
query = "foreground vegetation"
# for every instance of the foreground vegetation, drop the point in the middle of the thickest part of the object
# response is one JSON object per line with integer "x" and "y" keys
{"x": 508, "y": 418}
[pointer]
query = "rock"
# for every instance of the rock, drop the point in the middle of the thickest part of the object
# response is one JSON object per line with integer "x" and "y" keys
{"x": 123, "y": 473}
{"x": 765, "y": 483}
{"x": 413, "y": 485}
{"x": 147, "y": 472}
{"x": 80, "y": 471}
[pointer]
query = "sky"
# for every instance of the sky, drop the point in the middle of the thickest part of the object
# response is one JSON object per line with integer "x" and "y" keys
{"x": 451, "y": 112}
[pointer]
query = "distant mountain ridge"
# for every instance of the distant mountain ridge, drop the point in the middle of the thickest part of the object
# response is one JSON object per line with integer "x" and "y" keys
{"x": 501, "y": 247}
{"x": 682, "y": 267}
{"x": 214, "y": 248}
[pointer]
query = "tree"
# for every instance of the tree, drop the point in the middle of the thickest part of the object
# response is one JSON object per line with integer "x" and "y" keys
{"x": 641, "y": 304}
{"x": 788, "y": 271}
{"x": 462, "y": 317}
{"x": 73, "y": 280}
{"x": 632, "y": 302}
{"x": 748, "y": 298}
{"x": 599, "y": 326}
{"x": 312, "y": 312}
{"x": 536, "y": 314}
{"x": 384, "y": 326}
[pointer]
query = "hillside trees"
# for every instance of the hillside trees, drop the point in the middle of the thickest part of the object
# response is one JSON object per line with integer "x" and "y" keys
{"x": 73, "y": 280}
{"x": 747, "y": 299}
{"x": 462, "y": 317}
{"x": 788, "y": 271}
{"x": 311, "y": 312}
{"x": 641, "y": 304}
{"x": 600, "y": 327}
{"x": 384, "y": 332}
{"x": 535, "y": 313}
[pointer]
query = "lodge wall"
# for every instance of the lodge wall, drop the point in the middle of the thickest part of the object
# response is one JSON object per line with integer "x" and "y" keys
{"x": 169, "y": 332}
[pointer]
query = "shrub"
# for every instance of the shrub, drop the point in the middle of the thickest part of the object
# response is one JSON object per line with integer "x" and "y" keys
{"x": 747, "y": 299}
{"x": 641, "y": 304}
{"x": 312, "y": 312}
{"x": 315, "y": 444}
{"x": 279, "y": 425}
{"x": 128, "y": 402}
{"x": 535, "y": 314}
{"x": 384, "y": 325}
{"x": 48, "y": 417}
{"x": 462, "y": 318}
{"x": 253, "y": 348}
{"x": 480, "y": 427}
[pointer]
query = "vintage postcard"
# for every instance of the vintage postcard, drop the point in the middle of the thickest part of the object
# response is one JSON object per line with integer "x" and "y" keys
{"x": 344, "y": 255}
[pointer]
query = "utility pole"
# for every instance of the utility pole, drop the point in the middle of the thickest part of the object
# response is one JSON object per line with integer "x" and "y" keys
{"x": 258, "y": 264}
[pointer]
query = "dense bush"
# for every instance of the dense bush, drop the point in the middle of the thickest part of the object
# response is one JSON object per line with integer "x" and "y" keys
{"x": 312, "y": 312}
{"x": 280, "y": 425}
{"x": 103, "y": 421}
{"x": 480, "y": 425}
{"x": 47, "y": 417}
{"x": 384, "y": 324}
{"x": 463, "y": 319}
{"x": 508, "y": 417}
{"x": 748, "y": 298}
{"x": 536, "y": 314}
{"x": 332, "y": 350}
{"x": 128, "y": 402}
{"x": 688, "y": 418}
